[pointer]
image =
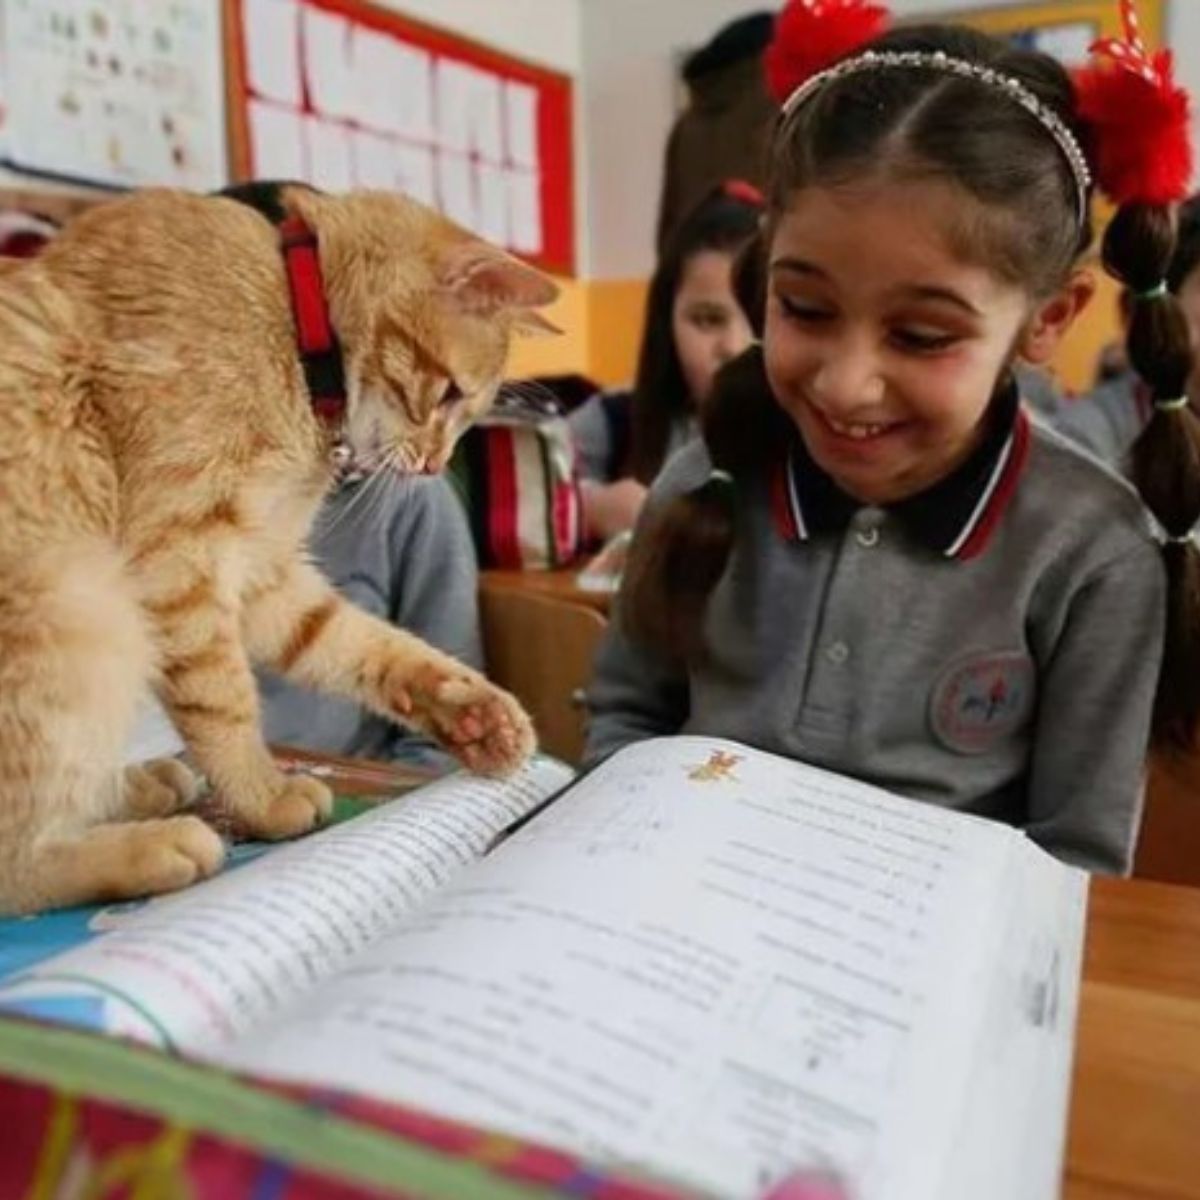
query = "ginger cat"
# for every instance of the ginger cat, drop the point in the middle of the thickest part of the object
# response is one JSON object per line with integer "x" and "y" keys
{"x": 159, "y": 470}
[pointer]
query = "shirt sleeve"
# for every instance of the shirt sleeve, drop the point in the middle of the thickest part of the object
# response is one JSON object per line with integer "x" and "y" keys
{"x": 432, "y": 583}
{"x": 1105, "y": 422}
{"x": 401, "y": 551}
{"x": 592, "y": 435}
{"x": 434, "y": 587}
{"x": 1094, "y": 709}
{"x": 633, "y": 696}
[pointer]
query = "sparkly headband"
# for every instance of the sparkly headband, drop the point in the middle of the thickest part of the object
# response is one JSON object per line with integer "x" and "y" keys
{"x": 938, "y": 60}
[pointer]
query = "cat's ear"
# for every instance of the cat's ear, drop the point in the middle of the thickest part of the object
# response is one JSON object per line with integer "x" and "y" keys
{"x": 483, "y": 279}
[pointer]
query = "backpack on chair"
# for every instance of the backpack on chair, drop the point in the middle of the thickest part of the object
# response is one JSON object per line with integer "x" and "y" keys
{"x": 515, "y": 473}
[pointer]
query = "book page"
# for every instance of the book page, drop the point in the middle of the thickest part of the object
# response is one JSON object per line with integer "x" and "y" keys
{"x": 702, "y": 961}
{"x": 1011, "y": 1137}
{"x": 198, "y": 969}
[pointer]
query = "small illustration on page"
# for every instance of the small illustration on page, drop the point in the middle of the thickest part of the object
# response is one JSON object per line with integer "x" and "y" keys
{"x": 718, "y": 768}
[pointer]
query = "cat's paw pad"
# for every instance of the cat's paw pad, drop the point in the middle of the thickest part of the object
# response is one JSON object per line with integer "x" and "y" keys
{"x": 479, "y": 723}
{"x": 299, "y": 806}
{"x": 160, "y": 787}
{"x": 164, "y": 856}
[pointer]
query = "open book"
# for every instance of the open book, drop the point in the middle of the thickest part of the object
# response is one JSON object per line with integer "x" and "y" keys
{"x": 700, "y": 962}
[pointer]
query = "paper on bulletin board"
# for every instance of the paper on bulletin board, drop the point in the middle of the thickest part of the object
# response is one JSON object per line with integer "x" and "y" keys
{"x": 120, "y": 93}
{"x": 277, "y": 138}
{"x": 352, "y": 94}
{"x": 520, "y": 114}
{"x": 330, "y": 162}
{"x": 416, "y": 172}
{"x": 272, "y": 50}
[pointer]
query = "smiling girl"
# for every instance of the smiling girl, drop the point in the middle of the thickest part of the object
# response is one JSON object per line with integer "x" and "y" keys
{"x": 874, "y": 561}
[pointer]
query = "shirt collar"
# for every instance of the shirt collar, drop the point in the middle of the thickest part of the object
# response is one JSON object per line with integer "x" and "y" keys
{"x": 955, "y": 517}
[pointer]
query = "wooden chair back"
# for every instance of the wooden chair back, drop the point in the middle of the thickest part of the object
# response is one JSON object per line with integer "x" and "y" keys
{"x": 541, "y": 649}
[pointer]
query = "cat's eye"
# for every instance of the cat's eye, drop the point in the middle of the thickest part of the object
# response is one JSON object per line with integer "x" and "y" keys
{"x": 451, "y": 394}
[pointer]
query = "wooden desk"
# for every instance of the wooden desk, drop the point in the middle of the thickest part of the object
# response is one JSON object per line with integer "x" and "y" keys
{"x": 542, "y": 649}
{"x": 1169, "y": 846}
{"x": 352, "y": 776}
{"x": 560, "y": 585}
{"x": 1134, "y": 1126}
{"x": 1135, "y": 1103}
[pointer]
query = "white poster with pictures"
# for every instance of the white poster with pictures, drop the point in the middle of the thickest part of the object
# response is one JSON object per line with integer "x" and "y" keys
{"x": 119, "y": 92}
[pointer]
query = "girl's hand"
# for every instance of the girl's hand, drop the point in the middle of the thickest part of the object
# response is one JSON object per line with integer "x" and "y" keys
{"x": 611, "y": 508}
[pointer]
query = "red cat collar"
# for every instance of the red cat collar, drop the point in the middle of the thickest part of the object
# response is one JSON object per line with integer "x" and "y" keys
{"x": 320, "y": 352}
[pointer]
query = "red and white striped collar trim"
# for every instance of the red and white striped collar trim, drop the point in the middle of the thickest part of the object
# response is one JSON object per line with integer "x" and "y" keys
{"x": 956, "y": 517}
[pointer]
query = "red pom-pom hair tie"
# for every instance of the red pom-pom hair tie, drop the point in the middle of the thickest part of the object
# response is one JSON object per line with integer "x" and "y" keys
{"x": 1139, "y": 119}
{"x": 811, "y": 35}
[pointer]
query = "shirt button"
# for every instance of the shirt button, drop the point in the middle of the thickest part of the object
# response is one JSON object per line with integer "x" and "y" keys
{"x": 838, "y": 653}
{"x": 868, "y": 537}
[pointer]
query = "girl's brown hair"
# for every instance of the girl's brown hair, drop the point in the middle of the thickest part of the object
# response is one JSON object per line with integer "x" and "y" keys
{"x": 913, "y": 124}
{"x": 724, "y": 220}
{"x": 1140, "y": 249}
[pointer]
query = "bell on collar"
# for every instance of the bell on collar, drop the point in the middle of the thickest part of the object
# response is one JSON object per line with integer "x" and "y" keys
{"x": 341, "y": 456}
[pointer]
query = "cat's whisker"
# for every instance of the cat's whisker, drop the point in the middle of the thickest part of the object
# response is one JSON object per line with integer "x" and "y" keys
{"x": 387, "y": 480}
{"x": 368, "y": 496}
{"x": 378, "y": 492}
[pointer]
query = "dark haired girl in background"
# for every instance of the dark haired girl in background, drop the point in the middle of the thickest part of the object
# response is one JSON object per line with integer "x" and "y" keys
{"x": 693, "y": 326}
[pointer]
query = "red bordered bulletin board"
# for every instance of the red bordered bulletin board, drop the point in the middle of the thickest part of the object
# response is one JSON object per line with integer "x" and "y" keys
{"x": 342, "y": 93}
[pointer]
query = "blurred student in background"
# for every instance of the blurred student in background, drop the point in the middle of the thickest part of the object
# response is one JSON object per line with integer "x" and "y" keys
{"x": 694, "y": 324}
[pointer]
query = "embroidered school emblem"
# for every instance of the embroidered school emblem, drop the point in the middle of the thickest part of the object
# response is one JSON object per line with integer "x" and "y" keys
{"x": 981, "y": 699}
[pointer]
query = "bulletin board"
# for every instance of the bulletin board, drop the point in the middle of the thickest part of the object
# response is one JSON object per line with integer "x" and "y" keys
{"x": 114, "y": 92}
{"x": 342, "y": 93}
{"x": 1064, "y": 29}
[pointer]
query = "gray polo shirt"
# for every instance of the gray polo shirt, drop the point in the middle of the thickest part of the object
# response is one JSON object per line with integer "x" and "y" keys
{"x": 1106, "y": 422}
{"x": 403, "y": 552}
{"x": 992, "y": 647}
{"x": 1039, "y": 390}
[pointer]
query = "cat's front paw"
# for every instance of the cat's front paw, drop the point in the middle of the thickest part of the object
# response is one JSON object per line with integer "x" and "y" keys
{"x": 300, "y": 805}
{"x": 160, "y": 788}
{"x": 161, "y": 856}
{"x": 484, "y": 727}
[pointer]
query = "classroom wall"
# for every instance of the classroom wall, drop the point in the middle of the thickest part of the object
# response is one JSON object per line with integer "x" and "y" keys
{"x": 630, "y": 96}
